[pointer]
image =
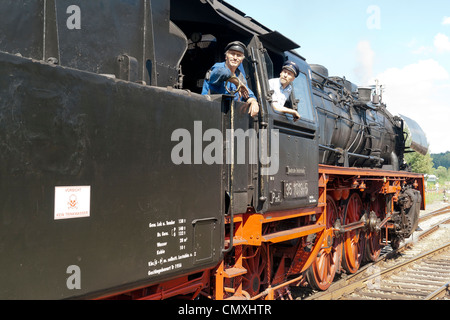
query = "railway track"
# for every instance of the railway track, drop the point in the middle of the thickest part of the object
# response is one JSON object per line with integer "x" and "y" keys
{"x": 420, "y": 269}
{"x": 424, "y": 277}
{"x": 435, "y": 213}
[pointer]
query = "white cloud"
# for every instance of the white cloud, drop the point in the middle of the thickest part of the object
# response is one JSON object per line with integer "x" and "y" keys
{"x": 442, "y": 43}
{"x": 446, "y": 20}
{"x": 412, "y": 43}
{"x": 365, "y": 57}
{"x": 420, "y": 91}
{"x": 423, "y": 50}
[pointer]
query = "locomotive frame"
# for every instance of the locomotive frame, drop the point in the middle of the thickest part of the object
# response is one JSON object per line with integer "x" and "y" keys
{"x": 108, "y": 114}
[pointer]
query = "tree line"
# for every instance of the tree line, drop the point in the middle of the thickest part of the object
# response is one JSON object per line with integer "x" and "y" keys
{"x": 441, "y": 160}
{"x": 432, "y": 164}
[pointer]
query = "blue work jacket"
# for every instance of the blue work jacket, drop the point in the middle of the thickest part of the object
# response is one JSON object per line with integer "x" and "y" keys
{"x": 217, "y": 77}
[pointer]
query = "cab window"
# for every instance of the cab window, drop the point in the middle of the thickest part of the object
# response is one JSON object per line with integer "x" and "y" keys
{"x": 303, "y": 96}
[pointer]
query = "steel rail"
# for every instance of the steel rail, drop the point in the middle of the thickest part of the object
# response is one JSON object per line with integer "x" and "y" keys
{"x": 438, "y": 293}
{"x": 340, "y": 285}
{"x": 335, "y": 290}
{"x": 435, "y": 213}
{"x": 351, "y": 286}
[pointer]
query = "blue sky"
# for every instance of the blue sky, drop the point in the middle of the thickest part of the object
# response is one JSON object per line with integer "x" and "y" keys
{"x": 404, "y": 44}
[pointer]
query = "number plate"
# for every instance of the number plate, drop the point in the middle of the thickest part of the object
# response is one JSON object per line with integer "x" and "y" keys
{"x": 295, "y": 189}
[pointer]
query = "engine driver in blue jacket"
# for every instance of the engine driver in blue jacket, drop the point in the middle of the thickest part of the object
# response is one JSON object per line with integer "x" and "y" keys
{"x": 232, "y": 71}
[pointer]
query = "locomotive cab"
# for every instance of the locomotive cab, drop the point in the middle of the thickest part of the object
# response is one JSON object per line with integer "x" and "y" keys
{"x": 285, "y": 175}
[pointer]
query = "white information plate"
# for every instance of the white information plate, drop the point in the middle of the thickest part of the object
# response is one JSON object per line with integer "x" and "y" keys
{"x": 72, "y": 202}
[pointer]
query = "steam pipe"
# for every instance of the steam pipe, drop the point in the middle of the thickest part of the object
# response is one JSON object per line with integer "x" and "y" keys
{"x": 340, "y": 151}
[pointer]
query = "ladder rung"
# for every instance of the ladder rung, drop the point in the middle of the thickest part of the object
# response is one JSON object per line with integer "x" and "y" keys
{"x": 234, "y": 272}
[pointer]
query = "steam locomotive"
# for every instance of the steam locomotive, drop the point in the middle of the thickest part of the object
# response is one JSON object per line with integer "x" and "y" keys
{"x": 120, "y": 181}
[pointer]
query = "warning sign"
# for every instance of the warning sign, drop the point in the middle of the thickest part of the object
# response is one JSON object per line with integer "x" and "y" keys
{"x": 72, "y": 202}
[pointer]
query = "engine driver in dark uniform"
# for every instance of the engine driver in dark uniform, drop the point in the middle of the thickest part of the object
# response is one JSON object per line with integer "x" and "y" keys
{"x": 232, "y": 71}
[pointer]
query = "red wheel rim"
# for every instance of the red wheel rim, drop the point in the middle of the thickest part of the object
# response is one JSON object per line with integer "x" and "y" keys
{"x": 255, "y": 261}
{"x": 353, "y": 241}
{"x": 373, "y": 247}
{"x": 323, "y": 269}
